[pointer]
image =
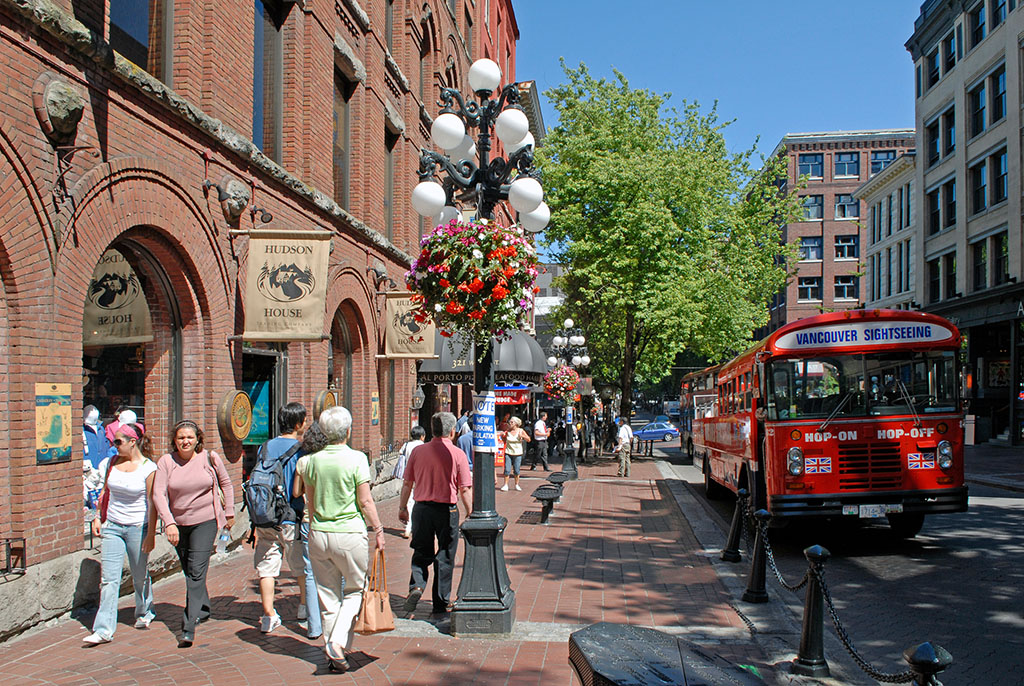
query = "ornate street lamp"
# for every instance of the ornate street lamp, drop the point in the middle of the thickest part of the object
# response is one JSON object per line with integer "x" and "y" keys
{"x": 468, "y": 174}
{"x": 568, "y": 347}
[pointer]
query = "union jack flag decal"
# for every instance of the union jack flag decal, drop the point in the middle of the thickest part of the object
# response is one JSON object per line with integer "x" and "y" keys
{"x": 818, "y": 465}
{"x": 920, "y": 460}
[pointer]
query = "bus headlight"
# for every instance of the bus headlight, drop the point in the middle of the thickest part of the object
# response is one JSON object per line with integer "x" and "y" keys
{"x": 795, "y": 461}
{"x": 945, "y": 454}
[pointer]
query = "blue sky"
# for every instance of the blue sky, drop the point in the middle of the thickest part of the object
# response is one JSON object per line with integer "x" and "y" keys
{"x": 774, "y": 67}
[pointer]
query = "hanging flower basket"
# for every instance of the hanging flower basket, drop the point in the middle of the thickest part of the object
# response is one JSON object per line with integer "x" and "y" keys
{"x": 560, "y": 383}
{"x": 475, "y": 279}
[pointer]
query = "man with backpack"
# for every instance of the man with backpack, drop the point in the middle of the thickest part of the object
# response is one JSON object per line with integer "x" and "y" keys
{"x": 276, "y": 517}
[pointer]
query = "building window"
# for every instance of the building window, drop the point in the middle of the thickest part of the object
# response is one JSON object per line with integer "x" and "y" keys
{"x": 998, "y": 12}
{"x": 979, "y": 185}
{"x": 343, "y": 90}
{"x": 932, "y": 64}
{"x": 899, "y": 267}
{"x": 141, "y": 31}
{"x": 906, "y": 264}
{"x": 976, "y": 105}
{"x": 999, "y": 185}
{"x": 888, "y": 272}
{"x": 847, "y": 247}
{"x": 809, "y": 288}
{"x": 888, "y": 218}
{"x": 906, "y": 205}
{"x": 931, "y": 136}
{"x": 469, "y": 31}
{"x": 812, "y": 165}
{"x": 997, "y": 85}
{"x": 976, "y": 22}
{"x": 948, "y": 53}
{"x": 846, "y": 287}
{"x": 949, "y": 274}
{"x": 979, "y": 266}
{"x": 934, "y": 281}
{"x": 814, "y": 206}
{"x": 949, "y": 203}
{"x": 1001, "y": 258}
{"x": 268, "y": 79}
{"x": 451, "y": 7}
{"x": 389, "y": 24}
{"x": 847, "y": 164}
{"x": 932, "y": 202}
{"x": 949, "y": 131}
{"x": 880, "y": 159}
{"x": 847, "y": 207}
{"x": 811, "y": 248}
{"x": 390, "y": 142}
{"x": 424, "y": 65}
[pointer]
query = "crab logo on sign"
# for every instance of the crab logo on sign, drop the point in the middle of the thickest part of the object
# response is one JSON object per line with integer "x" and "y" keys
{"x": 285, "y": 283}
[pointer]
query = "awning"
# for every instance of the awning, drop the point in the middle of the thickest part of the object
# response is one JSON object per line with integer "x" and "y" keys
{"x": 518, "y": 360}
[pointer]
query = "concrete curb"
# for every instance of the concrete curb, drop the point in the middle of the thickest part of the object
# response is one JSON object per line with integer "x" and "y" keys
{"x": 996, "y": 482}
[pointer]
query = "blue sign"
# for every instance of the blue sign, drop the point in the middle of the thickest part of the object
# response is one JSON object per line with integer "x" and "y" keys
{"x": 485, "y": 434}
{"x": 259, "y": 393}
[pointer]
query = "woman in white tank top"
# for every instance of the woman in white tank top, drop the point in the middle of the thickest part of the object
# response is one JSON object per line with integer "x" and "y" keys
{"x": 515, "y": 445}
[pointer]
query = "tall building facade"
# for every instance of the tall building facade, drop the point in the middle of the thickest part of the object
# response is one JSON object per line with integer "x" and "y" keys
{"x": 159, "y": 138}
{"x": 830, "y": 236}
{"x": 967, "y": 65}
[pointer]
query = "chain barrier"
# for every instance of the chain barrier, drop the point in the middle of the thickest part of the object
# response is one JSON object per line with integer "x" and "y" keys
{"x": 899, "y": 678}
{"x": 771, "y": 562}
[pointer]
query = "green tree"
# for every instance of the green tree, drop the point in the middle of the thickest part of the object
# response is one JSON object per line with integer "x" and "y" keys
{"x": 670, "y": 241}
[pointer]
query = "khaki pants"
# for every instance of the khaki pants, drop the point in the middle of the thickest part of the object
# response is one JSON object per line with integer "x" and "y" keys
{"x": 624, "y": 454}
{"x": 339, "y": 565}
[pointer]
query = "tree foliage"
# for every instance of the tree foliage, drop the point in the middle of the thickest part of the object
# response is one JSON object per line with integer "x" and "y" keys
{"x": 670, "y": 241}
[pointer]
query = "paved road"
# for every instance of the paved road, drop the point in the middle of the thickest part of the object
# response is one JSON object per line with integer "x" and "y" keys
{"x": 960, "y": 584}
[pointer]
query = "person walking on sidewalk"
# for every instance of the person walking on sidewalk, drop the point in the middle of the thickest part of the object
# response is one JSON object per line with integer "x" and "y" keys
{"x": 624, "y": 446}
{"x": 440, "y": 473}
{"x": 275, "y": 545}
{"x": 541, "y": 433}
{"x": 416, "y": 436}
{"x": 128, "y": 530}
{"x": 336, "y": 481}
{"x": 194, "y": 498}
{"x": 515, "y": 439}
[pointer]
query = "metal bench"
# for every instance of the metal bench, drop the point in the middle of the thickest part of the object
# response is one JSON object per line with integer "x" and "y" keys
{"x": 558, "y": 478}
{"x": 547, "y": 495}
{"x": 623, "y": 655}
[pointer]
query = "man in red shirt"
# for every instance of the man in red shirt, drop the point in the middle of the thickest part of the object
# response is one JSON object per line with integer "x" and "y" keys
{"x": 439, "y": 472}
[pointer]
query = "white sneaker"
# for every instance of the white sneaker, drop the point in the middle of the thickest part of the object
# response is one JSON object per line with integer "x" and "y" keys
{"x": 94, "y": 639}
{"x": 143, "y": 622}
{"x": 504, "y": 488}
{"x": 517, "y": 487}
{"x": 270, "y": 622}
{"x": 302, "y": 616}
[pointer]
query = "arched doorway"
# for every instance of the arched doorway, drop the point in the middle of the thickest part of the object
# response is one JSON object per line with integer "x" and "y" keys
{"x": 345, "y": 342}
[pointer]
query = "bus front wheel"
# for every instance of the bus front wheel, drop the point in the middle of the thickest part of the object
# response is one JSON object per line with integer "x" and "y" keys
{"x": 906, "y": 525}
{"x": 712, "y": 489}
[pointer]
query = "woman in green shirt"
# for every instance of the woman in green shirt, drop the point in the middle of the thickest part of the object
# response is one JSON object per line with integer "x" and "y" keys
{"x": 336, "y": 482}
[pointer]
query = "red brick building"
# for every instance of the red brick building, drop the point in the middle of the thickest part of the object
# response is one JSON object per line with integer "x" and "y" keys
{"x": 831, "y": 236}
{"x": 198, "y": 123}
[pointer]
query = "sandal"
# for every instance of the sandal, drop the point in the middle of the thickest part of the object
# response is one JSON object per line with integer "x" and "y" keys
{"x": 335, "y": 663}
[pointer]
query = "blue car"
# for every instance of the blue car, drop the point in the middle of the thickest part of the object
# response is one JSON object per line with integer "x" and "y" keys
{"x": 657, "y": 431}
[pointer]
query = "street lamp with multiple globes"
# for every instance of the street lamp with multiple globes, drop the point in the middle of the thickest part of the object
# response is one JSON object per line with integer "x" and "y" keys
{"x": 486, "y": 601}
{"x": 569, "y": 346}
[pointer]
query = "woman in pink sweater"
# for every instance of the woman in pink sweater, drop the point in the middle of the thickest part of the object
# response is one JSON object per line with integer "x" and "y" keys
{"x": 194, "y": 498}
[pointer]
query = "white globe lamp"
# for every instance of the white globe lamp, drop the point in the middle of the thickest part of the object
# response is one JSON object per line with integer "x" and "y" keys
{"x": 525, "y": 194}
{"x": 537, "y": 220}
{"x": 568, "y": 323}
{"x": 585, "y": 360}
{"x": 527, "y": 140}
{"x": 484, "y": 75}
{"x": 448, "y": 213}
{"x": 466, "y": 150}
{"x": 447, "y": 131}
{"x": 511, "y": 126}
{"x": 428, "y": 197}
{"x": 558, "y": 341}
{"x": 552, "y": 361}
{"x": 576, "y": 360}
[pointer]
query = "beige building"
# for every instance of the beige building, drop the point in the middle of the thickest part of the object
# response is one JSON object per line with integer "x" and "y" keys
{"x": 968, "y": 179}
{"x": 889, "y": 264}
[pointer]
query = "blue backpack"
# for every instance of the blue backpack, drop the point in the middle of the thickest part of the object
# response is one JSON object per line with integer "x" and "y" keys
{"x": 264, "y": 493}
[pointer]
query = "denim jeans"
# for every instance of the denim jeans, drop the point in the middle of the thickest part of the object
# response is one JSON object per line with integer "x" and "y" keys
{"x": 120, "y": 541}
{"x": 315, "y": 627}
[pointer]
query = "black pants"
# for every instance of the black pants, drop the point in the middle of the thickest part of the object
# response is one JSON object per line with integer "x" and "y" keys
{"x": 434, "y": 522}
{"x": 195, "y": 543}
{"x": 540, "y": 453}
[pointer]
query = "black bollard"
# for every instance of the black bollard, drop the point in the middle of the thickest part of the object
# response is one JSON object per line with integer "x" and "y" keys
{"x": 810, "y": 661}
{"x": 732, "y": 546}
{"x": 927, "y": 660}
{"x": 755, "y": 592}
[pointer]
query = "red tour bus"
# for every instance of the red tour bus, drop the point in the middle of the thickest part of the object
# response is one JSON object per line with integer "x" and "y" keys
{"x": 846, "y": 414}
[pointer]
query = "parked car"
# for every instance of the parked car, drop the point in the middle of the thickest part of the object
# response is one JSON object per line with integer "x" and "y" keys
{"x": 657, "y": 431}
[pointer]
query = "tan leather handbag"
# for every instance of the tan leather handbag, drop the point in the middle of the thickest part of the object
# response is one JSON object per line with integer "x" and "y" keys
{"x": 375, "y": 615}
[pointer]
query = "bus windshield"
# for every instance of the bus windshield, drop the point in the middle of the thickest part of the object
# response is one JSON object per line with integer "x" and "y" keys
{"x": 862, "y": 385}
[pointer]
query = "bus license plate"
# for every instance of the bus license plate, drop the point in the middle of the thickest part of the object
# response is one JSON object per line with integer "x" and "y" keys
{"x": 876, "y": 511}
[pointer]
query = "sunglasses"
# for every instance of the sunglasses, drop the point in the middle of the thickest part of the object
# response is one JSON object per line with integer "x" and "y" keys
{"x": 121, "y": 441}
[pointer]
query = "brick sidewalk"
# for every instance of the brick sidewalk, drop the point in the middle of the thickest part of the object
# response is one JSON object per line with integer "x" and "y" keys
{"x": 616, "y": 550}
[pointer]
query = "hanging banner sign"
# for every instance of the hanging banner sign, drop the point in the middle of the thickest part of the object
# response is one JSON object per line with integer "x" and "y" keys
{"x": 116, "y": 312}
{"x": 511, "y": 397}
{"x": 404, "y": 337}
{"x": 285, "y": 294}
{"x": 860, "y": 335}
{"x": 485, "y": 435}
{"x": 53, "y": 422}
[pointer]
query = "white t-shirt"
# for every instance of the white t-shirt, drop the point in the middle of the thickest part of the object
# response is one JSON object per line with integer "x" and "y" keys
{"x": 540, "y": 430}
{"x": 128, "y": 506}
{"x": 625, "y": 435}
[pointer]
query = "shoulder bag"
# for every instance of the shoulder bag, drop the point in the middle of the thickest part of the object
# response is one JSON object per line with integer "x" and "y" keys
{"x": 218, "y": 491}
{"x": 375, "y": 615}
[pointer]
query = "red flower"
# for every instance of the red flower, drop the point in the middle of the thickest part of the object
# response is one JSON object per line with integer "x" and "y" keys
{"x": 477, "y": 314}
{"x": 453, "y": 307}
{"x": 464, "y": 287}
{"x": 420, "y": 317}
{"x": 509, "y": 272}
{"x": 499, "y": 292}
{"x": 446, "y": 334}
{"x": 445, "y": 283}
{"x": 536, "y": 289}
{"x": 475, "y": 285}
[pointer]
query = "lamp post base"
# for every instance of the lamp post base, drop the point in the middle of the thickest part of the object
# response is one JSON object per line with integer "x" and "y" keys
{"x": 486, "y": 602}
{"x": 569, "y": 464}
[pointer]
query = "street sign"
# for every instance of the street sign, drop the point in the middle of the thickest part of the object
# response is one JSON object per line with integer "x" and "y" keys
{"x": 485, "y": 439}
